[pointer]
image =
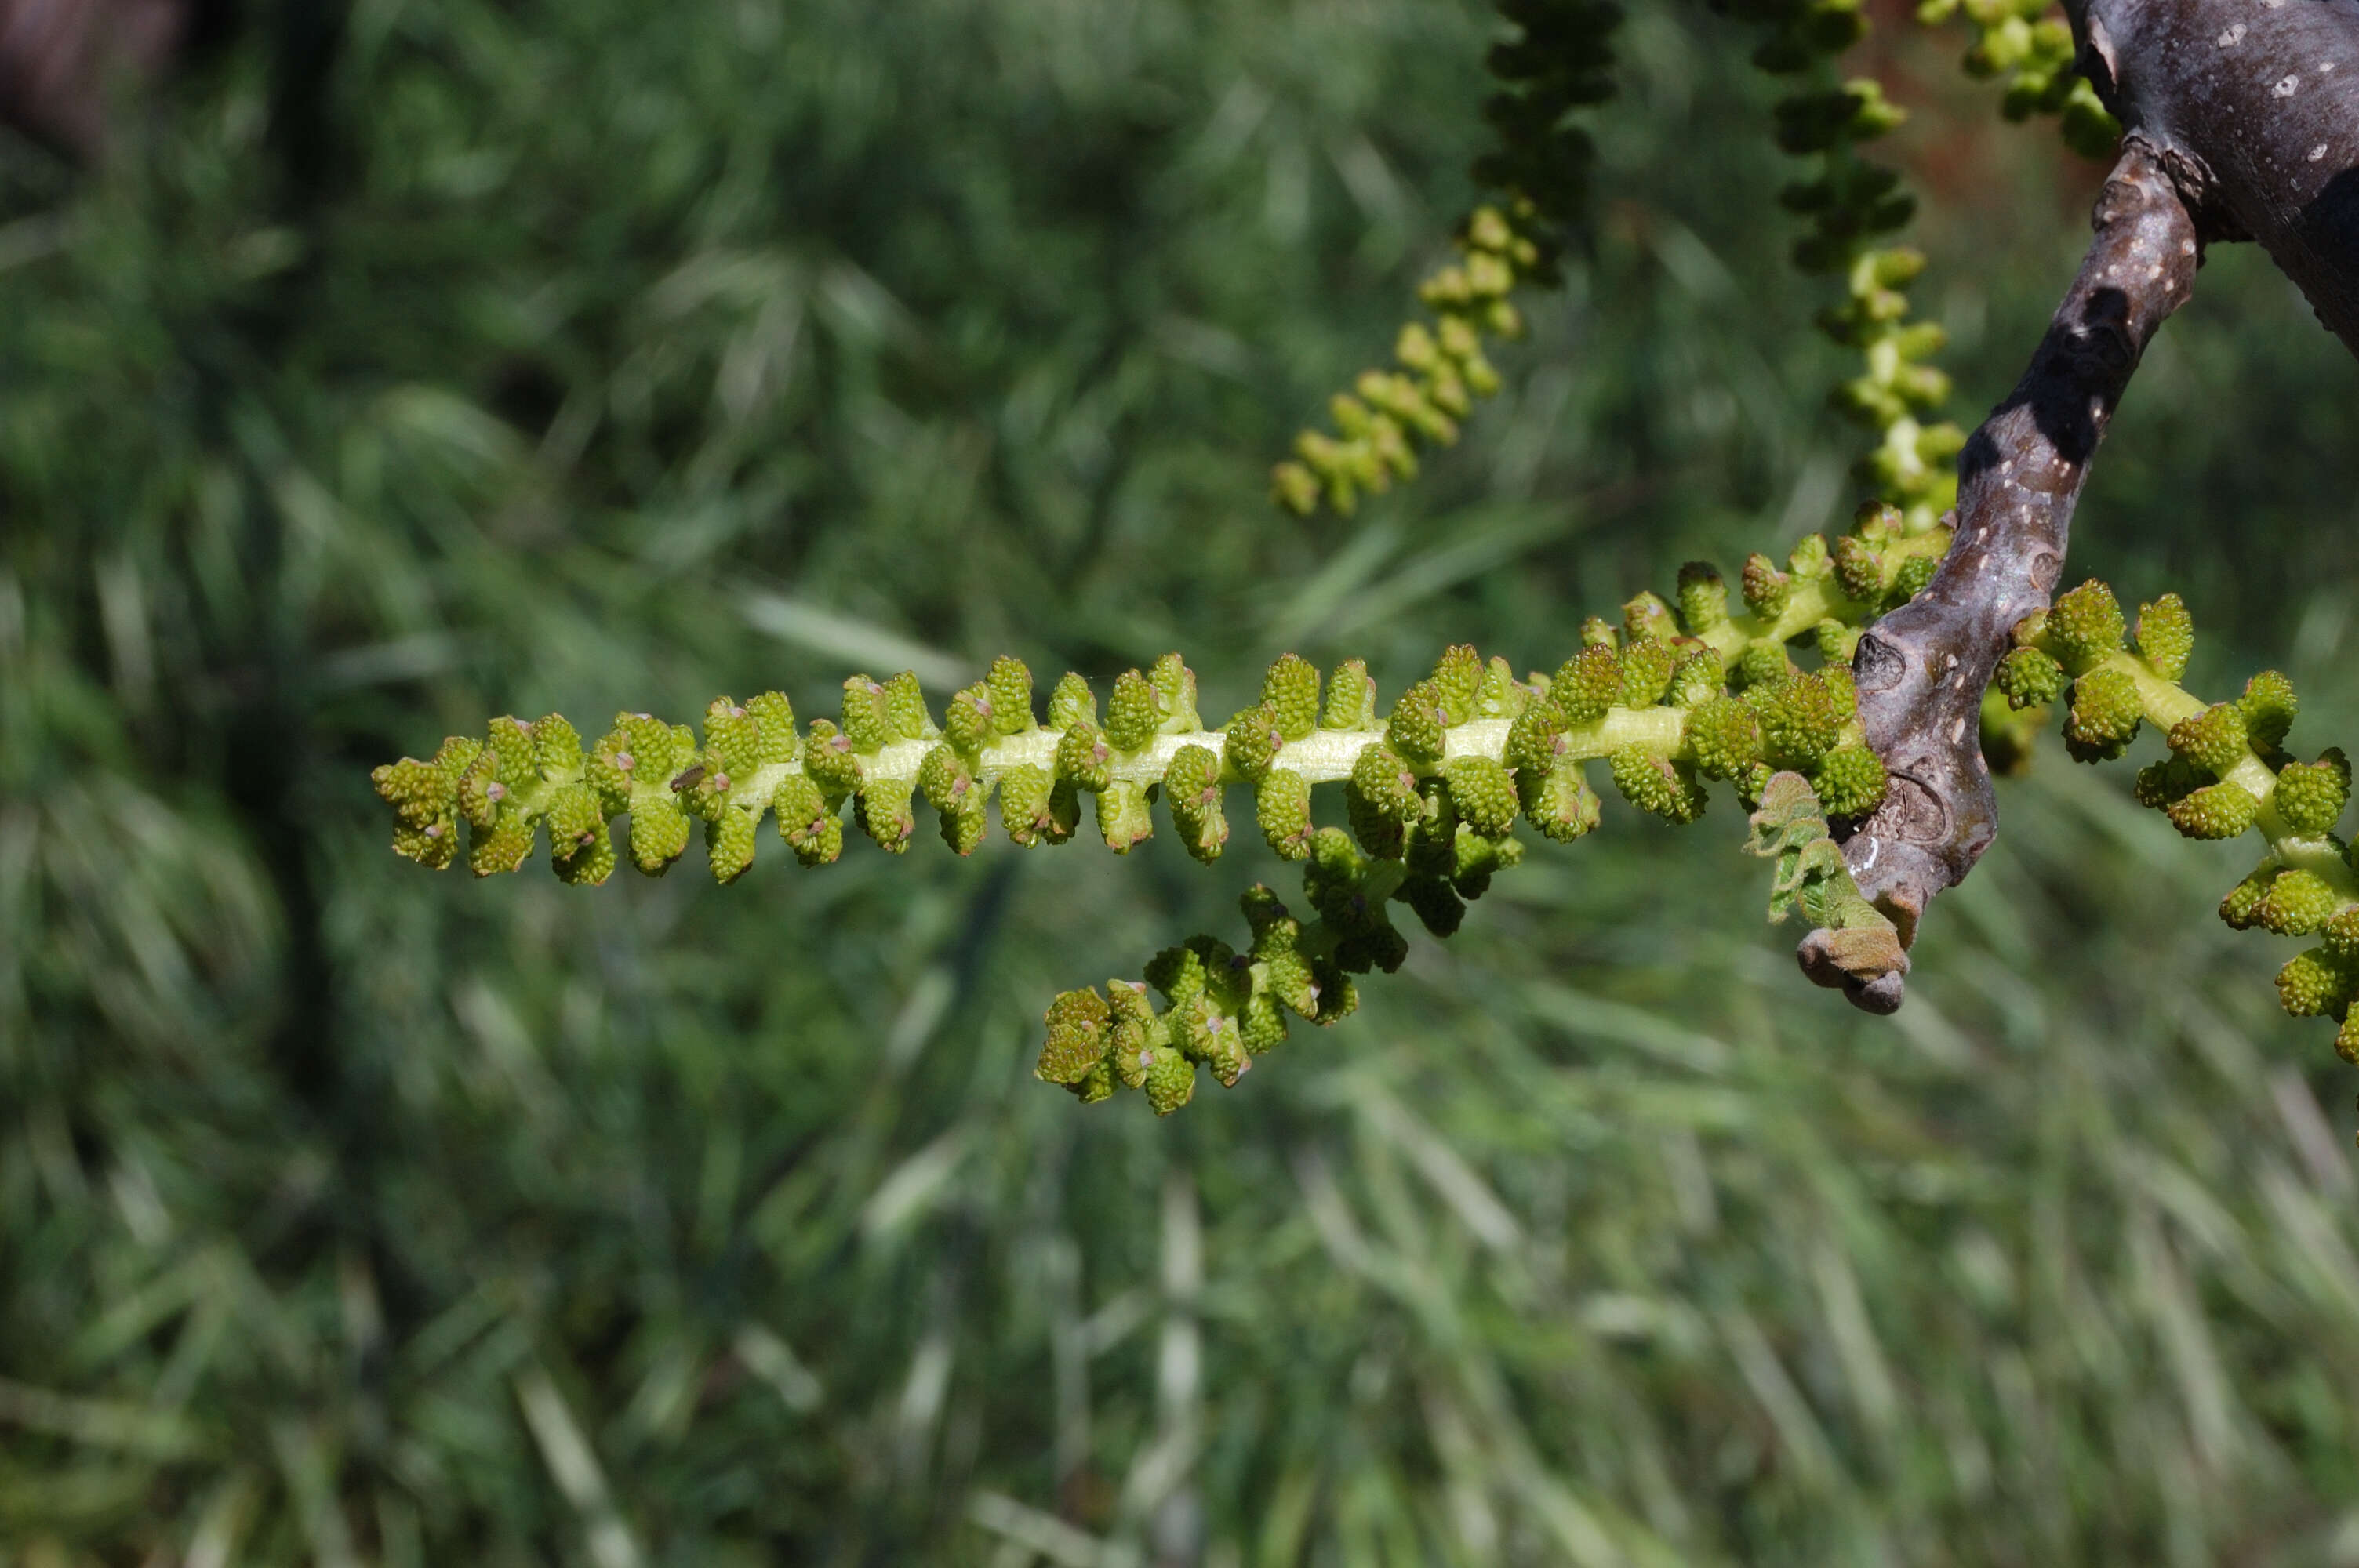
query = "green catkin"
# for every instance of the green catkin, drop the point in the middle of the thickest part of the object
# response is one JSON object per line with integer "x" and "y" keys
{"x": 1765, "y": 588}
{"x": 1430, "y": 795}
{"x": 2312, "y": 984}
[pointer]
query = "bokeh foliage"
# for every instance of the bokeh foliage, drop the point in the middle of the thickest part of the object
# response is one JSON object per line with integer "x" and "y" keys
{"x": 521, "y": 356}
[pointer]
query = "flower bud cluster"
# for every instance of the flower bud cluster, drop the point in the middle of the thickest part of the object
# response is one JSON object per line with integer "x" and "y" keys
{"x": 2227, "y": 773}
{"x": 1681, "y": 693}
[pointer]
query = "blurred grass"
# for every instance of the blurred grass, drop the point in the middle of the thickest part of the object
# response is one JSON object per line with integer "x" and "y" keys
{"x": 592, "y": 356}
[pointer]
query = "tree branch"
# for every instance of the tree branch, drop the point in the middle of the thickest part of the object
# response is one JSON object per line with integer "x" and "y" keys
{"x": 1922, "y": 669}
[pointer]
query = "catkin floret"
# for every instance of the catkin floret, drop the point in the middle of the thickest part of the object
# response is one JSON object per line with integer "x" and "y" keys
{"x": 2212, "y": 739}
{"x": 2215, "y": 811}
{"x": 1290, "y": 690}
{"x": 1655, "y": 783}
{"x": 2029, "y": 678}
{"x": 2166, "y": 635}
{"x": 1587, "y": 684}
{"x": 2084, "y": 627}
{"x": 2311, "y": 795}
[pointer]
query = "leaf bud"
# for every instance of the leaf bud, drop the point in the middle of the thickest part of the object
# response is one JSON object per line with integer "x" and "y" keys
{"x": 1282, "y": 807}
{"x": 1704, "y": 598}
{"x": 1587, "y": 684}
{"x": 2215, "y": 811}
{"x": 1350, "y": 698}
{"x": 2311, "y": 795}
{"x": 2269, "y": 705}
{"x": 1132, "y": 712}
{"x": 2083, "y": 627}
{"x": 1484, "y": 794}
{"x": 1415, "y": 727}
{"x": 1655, "y": 783}
{"x": 2166, "y": 635}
